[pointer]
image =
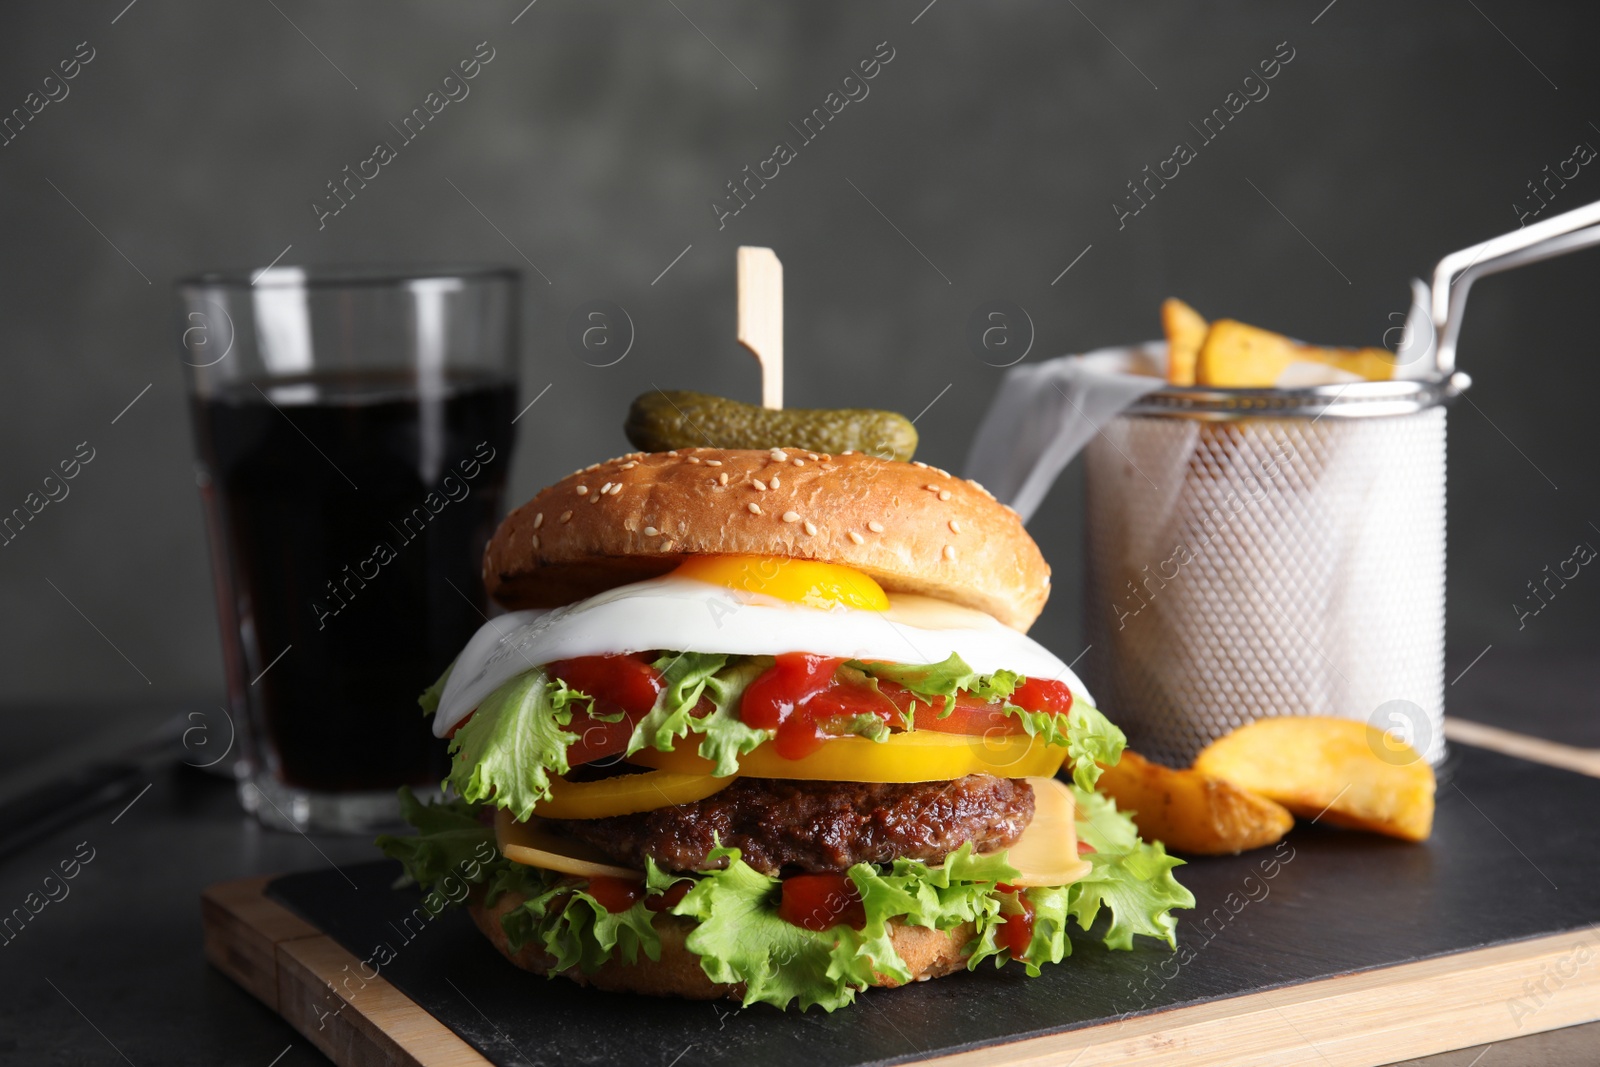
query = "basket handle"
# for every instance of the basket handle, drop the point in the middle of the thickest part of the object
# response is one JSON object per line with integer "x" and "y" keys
{"x": 1455, "y": 273}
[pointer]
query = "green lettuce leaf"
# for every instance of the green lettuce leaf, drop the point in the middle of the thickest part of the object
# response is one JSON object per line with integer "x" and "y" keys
{"x": 1131, "y": 879}
{"x": 1092, "y": 739}
{"x": 507, "y": 751}
{"x": 741, "y": 938}
{"x": 577, "y": 930}
{"x": 429, "y": 700}
{"x": 944, "y": 679}
{"x": 1050, "y": 943}
{"x": 450, "y": 840}
{"x": 686, "y": 677}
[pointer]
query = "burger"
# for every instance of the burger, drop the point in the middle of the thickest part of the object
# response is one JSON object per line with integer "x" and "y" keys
{"x": 766, "y": 724}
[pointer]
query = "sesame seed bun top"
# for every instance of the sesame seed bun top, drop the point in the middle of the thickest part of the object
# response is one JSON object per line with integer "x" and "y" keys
{"x": 913, "y": 528}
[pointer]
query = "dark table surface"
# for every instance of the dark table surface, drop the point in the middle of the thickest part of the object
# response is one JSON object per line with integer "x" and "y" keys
{"x": 113, "y": 971}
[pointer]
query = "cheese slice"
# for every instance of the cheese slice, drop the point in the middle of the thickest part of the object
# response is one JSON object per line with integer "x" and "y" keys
{"x": 1047, "y": 851}
{"x": 531, "y": 845}
{"x": 1045, "y": 854}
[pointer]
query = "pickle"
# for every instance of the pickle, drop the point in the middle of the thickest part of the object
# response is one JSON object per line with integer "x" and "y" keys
{"x": 662, "y": 420}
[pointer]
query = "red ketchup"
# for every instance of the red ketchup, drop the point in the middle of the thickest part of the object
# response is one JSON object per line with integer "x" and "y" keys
{"x": 785, "y": 699}
{"x": 821, "y": 901}
{"x": 615, "y": 894}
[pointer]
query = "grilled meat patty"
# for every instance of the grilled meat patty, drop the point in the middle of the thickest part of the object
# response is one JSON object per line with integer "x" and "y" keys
{"x": 784, "y": 825}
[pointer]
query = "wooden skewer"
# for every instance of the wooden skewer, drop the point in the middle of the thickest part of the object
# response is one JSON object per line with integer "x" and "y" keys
{"x": 761, "y": 317}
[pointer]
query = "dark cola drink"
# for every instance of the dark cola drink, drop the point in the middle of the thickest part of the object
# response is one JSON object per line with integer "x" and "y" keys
{"x": 351, "y": 511}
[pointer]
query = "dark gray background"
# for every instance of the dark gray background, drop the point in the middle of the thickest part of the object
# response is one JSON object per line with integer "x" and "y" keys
{"x": 996, "y": 140}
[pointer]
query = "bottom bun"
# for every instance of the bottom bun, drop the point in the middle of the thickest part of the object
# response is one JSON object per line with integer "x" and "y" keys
{"x": 927, "y": 953}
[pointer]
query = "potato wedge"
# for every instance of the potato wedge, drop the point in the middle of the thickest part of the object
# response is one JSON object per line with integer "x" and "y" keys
{"x": 1191, "y": 812}
{"x": 1236, "y": 355}
{"x": 1186, "y": 332}
{"x": 1330, "y": 768}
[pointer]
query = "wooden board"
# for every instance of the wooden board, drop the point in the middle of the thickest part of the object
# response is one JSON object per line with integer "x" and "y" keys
{"x": 1351, "y": 1015}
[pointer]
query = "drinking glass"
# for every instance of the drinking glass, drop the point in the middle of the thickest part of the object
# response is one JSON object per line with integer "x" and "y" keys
{"x": 353, "y": 428}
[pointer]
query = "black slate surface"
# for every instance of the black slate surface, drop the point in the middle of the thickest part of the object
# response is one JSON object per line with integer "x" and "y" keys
{"x": 1512, "y": 857}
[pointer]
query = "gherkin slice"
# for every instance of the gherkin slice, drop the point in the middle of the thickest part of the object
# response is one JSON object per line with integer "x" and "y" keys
{"x": 661, "y": 420}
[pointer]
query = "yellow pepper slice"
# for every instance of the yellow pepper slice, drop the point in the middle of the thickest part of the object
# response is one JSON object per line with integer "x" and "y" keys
{"x": 915, "y": 756}
{"x": 626, "y": 794}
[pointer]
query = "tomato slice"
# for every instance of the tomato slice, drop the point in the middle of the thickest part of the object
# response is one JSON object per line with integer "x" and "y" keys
{"x": 615, "y": 894}
{"x": 671, "y": 897}
{"x": 626, "y": 681}
{"x": 620, "y": 684}
{"x": 1016, "y": 929}
{"x": 821, "y": 901}
{"x": 971, "y": 715}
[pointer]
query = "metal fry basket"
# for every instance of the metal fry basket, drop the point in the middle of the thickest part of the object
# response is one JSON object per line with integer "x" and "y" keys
{"x": 1253, "y": 553}
{"x": 1263, "y": 552}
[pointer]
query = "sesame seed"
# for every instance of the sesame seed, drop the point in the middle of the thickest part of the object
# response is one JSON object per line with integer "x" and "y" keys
{"x": 930, "y": 487}
{"x": 566, "y": 516}
{"x": 616, "y": 489}
{"x": 857, "y": 538}
{"x": 596, "y": 498}
{"x": 722, "y": 479}
{"x": 950, "y": 552}
{"x": 713, "y": 462}
{"x": 628, "y": 466}
{"x": 955, "y": 527}
{"x": 875, "y": 526}
{"x": 759, "y": 484}
{"x": 694, "y": 459}
{"x": 919, "y": 463}
{"x": 779, "y": 455}
{"x": 774, "y": 481}
{"x": 538, "y": 520}
{"x": 791, "y": 516}
{"x": 941, "y": 472}
{"x": 799, "y": 463}
{"x": 674, "y": 452}
{"x": 606, "y": 488}
{"x": 944, "y": 494}
{"x": 534, "y": 540}
{"x": 755, "y": 509}
{"x": 810, "y": 528}
{"x": 827, "y": 458}
{"x": 667, "y": 546}
{"x": 583, "y": 490}
{"x": 848, "y": 452}
{"x": 651, "y": 531}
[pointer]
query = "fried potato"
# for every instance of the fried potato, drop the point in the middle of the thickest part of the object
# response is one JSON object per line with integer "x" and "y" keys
{"x": 1330, "y": 768}
{"x": 1236, "y": 355}
{"x": 1191, "y": 812}
{"x": 1186, "y": 332}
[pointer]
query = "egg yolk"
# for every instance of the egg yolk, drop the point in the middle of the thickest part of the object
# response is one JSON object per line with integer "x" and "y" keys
{"x": 800, "y": 581}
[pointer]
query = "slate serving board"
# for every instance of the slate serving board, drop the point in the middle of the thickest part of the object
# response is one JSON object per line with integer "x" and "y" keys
{"x": 1512, "y": 858}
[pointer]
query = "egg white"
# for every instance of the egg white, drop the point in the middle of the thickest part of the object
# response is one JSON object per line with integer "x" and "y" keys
{"x": 687, "y": 615}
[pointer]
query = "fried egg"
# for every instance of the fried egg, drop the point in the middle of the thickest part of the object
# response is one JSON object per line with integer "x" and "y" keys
{"x": 744, "y": 605}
